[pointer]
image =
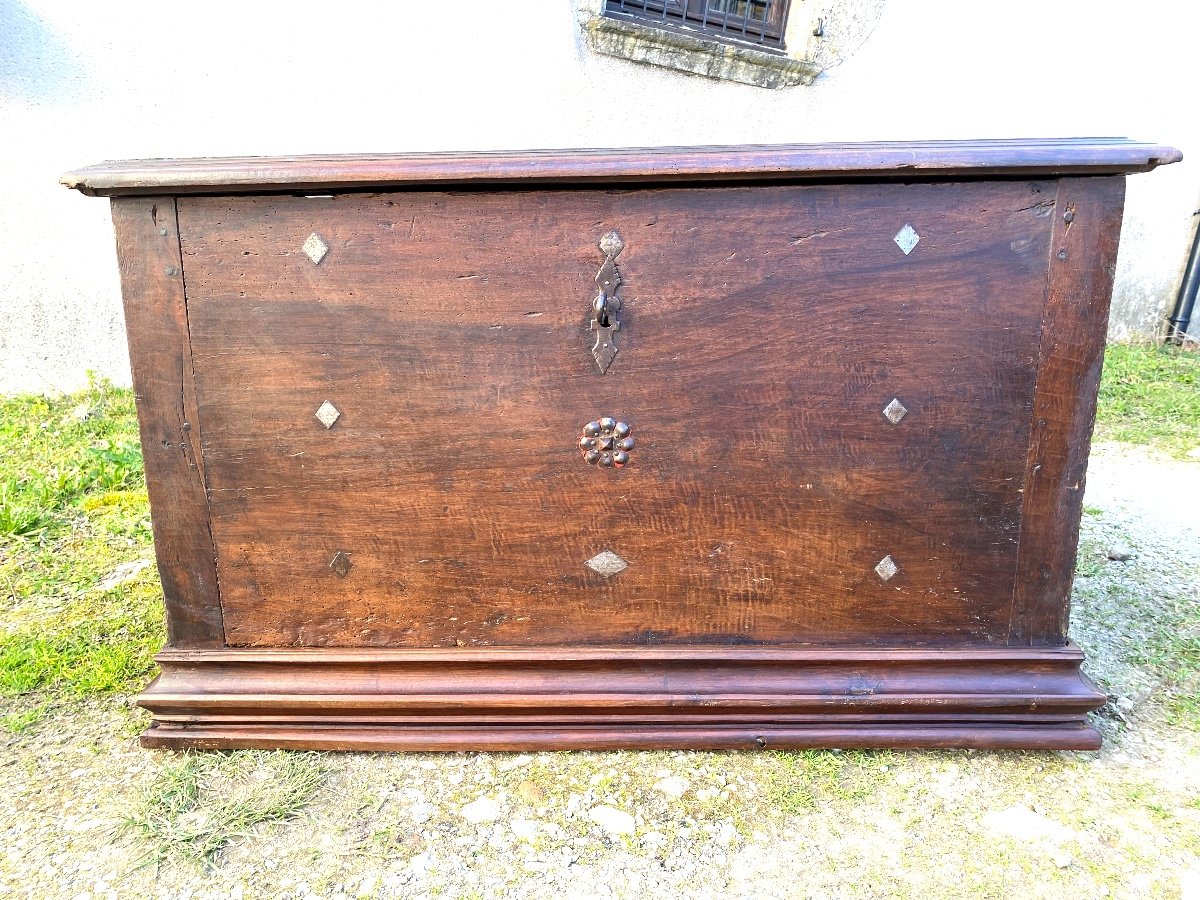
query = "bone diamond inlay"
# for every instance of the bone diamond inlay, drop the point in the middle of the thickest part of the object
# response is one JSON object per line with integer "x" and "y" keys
{"x": 340, "y": 564}
{"x": 895, "y": 411}
{"x": 607, "y": 563}
{"x": 886, "y": 568}
{"x": 327, "y": 414}
{"x": 315, "y": 248}
{"x": 906, "y": 238}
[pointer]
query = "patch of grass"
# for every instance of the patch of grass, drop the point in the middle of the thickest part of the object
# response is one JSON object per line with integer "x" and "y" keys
{"x": 1181, "y": 658}
{"x": 73, "y": 509}
{"x": 1170, "y": 647}
{"x": 1089, "y": 561}
{"x": 21, "y": 719}
{"x": 1150, "y": 395}
{"x": 799, "y": 779}
{"x": 1183, "y": 708}
{"x": 201, "y": 802}
{"x": 56, "y": 450}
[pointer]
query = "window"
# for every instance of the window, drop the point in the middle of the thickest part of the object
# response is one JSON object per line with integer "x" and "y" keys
{"x": 759, "y": 22}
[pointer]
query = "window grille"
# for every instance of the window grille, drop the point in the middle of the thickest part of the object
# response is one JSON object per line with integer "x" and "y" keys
{"x": 759, "y": 22}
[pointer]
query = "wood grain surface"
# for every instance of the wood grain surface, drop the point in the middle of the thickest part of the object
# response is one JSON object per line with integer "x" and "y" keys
{"x": 824, "y": 733}
{"x": 764, "y": 328}
{"x": 601, "y": 698}
{"x": 160, "y": 354}
{"x": 1032, "y": 158}
{"x": 763, "y": 331}
{"x": 1083, "y": 257}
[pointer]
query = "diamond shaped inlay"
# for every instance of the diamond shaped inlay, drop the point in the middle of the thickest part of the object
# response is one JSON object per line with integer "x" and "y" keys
{"x": 327, "y": 414}
{"x": 340, "y": 564}
{"x": 906, "y": 238}
{"x": 895, "y": 411}
{"x": 607, "y": 563}
{"x": 315, "y": 248}
{"x": 611, "y": 244}
{"x": 886, "y": 568}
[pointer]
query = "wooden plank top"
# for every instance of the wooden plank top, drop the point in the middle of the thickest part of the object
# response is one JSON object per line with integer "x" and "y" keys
{"x": 784, "y": 162}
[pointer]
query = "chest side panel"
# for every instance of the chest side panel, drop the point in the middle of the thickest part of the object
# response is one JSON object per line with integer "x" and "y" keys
{"x": 764, "y": 330}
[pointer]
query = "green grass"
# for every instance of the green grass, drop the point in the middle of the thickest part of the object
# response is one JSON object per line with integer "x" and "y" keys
{"x": 1158, "y": 633}
{"x": 1176, "y": 656}
{"x": 1150, "y": 395}
{"x": 799, "y": 780}
{"x": 72, "y": 509}
{"x": 201, "y": 802}
{"x": 56, "y": 451}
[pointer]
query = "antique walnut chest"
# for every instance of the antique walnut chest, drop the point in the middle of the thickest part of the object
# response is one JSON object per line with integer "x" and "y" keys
{"x": 707, "y": 447}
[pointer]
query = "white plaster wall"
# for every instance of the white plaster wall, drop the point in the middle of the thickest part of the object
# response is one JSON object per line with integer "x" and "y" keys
{"x": 82, "y": 82}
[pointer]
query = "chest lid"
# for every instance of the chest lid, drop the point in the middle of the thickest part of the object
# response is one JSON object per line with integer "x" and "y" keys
{"x": 911, "y": 160}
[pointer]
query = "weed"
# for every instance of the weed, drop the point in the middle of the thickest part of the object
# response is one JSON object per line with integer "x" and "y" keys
{"x": 798, "y": 779}
{"x": 1183, "y": 707}
{"x": 72, "y": 509}
{"x": 1150, "y": 395}
{"x": 18, "y": 720}
{"x": 202, "y": 802}
{"x": 1089, "y": 560}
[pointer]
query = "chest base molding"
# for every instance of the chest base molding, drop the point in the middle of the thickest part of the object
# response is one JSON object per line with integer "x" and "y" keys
{"x": 607, "y": 699}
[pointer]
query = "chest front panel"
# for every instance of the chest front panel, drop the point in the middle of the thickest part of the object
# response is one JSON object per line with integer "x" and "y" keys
{"x": 764, "y": 330}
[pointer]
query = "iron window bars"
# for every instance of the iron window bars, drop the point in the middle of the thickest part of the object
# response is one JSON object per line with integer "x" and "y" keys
{"x": 759, "y": 22}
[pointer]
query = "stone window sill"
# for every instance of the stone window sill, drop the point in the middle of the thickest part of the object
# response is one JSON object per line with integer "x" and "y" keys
{"x": 695, "y": 53}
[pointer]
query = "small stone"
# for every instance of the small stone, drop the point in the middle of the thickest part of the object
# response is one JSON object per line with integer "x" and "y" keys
{"x": 1120, "y": 553}
{"x": 1024, "y": 824}
{"x": 673, "y": 787}
{"x": 530, "y": 793}
{"x": 1062, "y": 858}
{"x": 1189, "y": 884}
{"x": 122, "y": 573}
{"x": 421, "y": 863}
{"x": 421, "y": 812}
{"x": 525, "y": 829}
{"x": 613, "y": 821}
{"x": 485, "y": 809}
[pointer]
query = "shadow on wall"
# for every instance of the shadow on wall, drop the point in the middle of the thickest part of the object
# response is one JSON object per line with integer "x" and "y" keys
{"x": 35, "y": 63}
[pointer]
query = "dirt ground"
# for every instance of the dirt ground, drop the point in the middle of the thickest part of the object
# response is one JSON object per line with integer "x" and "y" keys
{"x": 84, "y": 813}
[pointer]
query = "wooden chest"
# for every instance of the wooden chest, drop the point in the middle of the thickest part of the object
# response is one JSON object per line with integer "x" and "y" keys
{"x": 711, "y": 447}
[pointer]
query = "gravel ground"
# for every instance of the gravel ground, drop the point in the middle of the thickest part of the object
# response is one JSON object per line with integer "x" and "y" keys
{"x": 86, "y": 814}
